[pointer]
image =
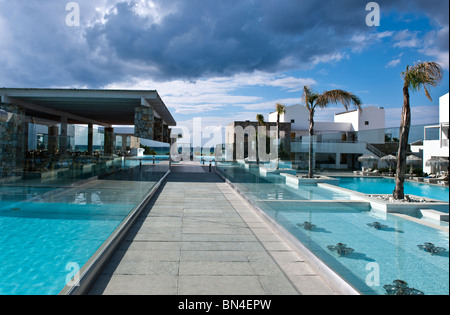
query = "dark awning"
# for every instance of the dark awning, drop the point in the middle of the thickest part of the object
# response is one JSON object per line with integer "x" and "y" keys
{"x": 101, "y": 107}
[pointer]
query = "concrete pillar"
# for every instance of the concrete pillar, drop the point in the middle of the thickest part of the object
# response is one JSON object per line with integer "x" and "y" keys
{"x": 109, "y": 141}
{"x": 63, "y": 139}
{"x": 90, "y": 139}
{"x": 124, "y": 142}
{"x": 53, "y": 137}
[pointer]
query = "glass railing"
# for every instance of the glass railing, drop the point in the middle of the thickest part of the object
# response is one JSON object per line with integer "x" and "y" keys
{"x": 66, "y": 195}
{"x": 37, "y": 154}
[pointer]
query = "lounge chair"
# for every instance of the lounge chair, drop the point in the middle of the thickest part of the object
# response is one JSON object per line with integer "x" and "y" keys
{"x": 444, "y": 181}
{"x": 372, "y": 173}
{"x": 435, "y": 180}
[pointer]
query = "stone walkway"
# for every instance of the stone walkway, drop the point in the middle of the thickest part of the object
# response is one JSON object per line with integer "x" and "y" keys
{"x": 199, "y": 237}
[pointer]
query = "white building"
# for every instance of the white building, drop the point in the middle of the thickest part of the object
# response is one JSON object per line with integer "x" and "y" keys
{"x": 437, "y": 146}
{"x": 338, "y": 144}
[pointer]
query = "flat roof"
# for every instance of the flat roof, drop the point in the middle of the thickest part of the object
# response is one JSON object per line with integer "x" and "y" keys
{"x": 100, "y": 107}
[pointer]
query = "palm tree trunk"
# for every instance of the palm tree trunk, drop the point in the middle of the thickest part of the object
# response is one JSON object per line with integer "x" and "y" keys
{"x": 311, "y": 144}
{"x": 403, "y": 146}
{"x": 278, "y": 140}
{"x": 257, "y": 149}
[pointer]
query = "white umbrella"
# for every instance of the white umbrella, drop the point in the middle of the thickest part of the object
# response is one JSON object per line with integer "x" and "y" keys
{"x": 368, "y": 158}
{"x": 437, "y": 162}
{"x": 389, "y": 159}
{"x": 411, "y": 160}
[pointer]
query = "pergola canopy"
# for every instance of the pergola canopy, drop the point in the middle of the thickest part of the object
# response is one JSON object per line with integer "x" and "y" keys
{"x": 100, "y": 107}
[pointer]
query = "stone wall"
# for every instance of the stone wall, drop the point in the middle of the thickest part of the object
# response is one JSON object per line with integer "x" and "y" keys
{"x": 144, "y": 121}
{"x": 12, "y": 141}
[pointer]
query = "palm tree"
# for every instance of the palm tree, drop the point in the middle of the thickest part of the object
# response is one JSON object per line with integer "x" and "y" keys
{"x": 314, "y": 100}
{"x": 261, "y": 122}
{"x": 426, "y": 75}
{"x": 280, "y": 110}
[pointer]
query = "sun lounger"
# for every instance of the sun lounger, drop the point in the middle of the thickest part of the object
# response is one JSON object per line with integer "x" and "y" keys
{"x": 436, "y": 180}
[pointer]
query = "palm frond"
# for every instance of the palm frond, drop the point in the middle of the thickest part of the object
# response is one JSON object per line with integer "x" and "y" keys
{"x": 280, "y": 109}
{"x": 339, "y": 96}
{"x": 423, "y": 74}
{"x": 310, "y": 97}
{"x": 260, "y": 120}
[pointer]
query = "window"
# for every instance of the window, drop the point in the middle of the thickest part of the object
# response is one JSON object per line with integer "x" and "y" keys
{"x": 292, "y": 121}
{"x": 366, "y": 123}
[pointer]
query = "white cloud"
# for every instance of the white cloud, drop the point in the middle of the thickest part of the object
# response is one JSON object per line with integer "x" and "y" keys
{"x": 331, "y": 58}
{"x": 213, "y": 94}
{"x": 406, "y": 39}
{"x": 395, "y": 62}
{"x": 436, "y": 45}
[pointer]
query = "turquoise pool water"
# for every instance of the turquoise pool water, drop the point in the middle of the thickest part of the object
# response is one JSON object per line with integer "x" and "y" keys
{"x": 378, "y": 185}
{"x": 48, "y": 231}
{"x": 273, "y": 187}
{"x": 40, "y": 242}
{"x": 379, "y": 257}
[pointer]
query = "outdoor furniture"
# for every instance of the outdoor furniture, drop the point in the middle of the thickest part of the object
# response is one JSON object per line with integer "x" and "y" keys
{"x": 411, "y": 161}
{"x": 371, "y": 173}
{"x": 390, "y": 160}
{"x": 435, "y": 180}
{"x": 437, "y": 162}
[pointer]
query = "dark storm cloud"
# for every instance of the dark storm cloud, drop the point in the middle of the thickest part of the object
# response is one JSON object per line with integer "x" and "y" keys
{"x": 225, "y": 37}
{"x": 188, "y": 39}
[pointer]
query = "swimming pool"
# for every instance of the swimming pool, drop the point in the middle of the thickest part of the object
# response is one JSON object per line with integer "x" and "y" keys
{"x": 274, "y": 187}
{"x": 48, "y": 233}
{"x": 383, "y": 185}
{"x": 380, "y": 256}
{"x": 42, "y": 241}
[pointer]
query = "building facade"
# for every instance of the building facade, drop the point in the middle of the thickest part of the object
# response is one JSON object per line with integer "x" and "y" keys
{"x": 337, "y": 144}
{"x": 437, "y": 147}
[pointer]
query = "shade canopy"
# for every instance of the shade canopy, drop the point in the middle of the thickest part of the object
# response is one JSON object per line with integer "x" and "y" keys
{"x": 439, "y": 161}
{"x": 368, "y": 158}
{"x": 412, "y": 159}
{"x": 100, "y": 107}
{"x": 389, "y": 158}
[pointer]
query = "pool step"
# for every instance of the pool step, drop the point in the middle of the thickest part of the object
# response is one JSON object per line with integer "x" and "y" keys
{"x": 434, "y": 215}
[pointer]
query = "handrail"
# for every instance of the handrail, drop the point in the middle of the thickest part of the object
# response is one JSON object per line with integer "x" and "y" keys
{"x": 374, "y": 150}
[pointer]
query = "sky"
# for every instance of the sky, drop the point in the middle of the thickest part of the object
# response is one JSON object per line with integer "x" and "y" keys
{"x": 227, "y": 60}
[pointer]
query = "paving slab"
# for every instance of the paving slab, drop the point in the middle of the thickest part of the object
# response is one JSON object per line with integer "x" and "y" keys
{"x": 199, "y": 237}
